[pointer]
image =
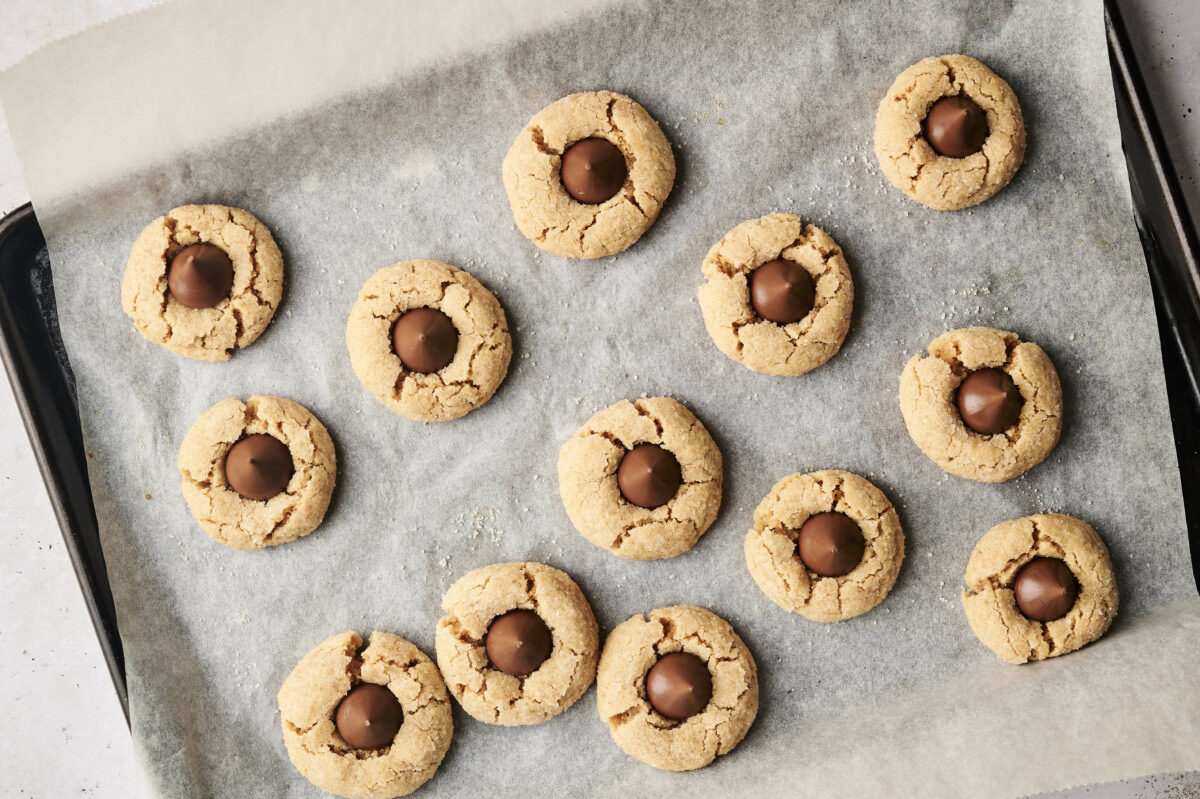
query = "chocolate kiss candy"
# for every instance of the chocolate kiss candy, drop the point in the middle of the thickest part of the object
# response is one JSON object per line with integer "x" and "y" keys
{"x": 989, "y": 401}
{"x": 956, "y": 126}
{"x": 649, "y": 476}
{"x": 593, "y": 170}
{"x": 830, "y": 544}
{"x": 369, "y": 717}
{"x": 518, "y": 642}
{"x": 200, "y": 275}
{"x": 782, "y": 291}
{"x": 679, "y": 685}
{"x": 425, "y": 340}
{"x": 1045, "y": 589}
{"x": 259, "y": 466}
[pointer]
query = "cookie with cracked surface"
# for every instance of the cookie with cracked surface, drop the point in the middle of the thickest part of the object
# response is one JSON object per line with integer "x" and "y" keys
{"x": 603, "y": 476}
{"x": 630, "y": 698}
{"x": 949, "y": 132}
{"x": 1025, "y": 404}
{"x": 446, "y": 364}
{"x": 1003, "y": 586}
{"x": 258, "y": 473}
{"x": 739, "y": 295}
{"x": 569, "y": 192}
{"x": 518, "y": 644}
{"x": 203, "y": 281}
{"x": 312, "y": 709}
{"x": 821, "y": 571}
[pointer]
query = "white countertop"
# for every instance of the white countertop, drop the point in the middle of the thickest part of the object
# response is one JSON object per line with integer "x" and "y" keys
{"x": 65, "y": 734}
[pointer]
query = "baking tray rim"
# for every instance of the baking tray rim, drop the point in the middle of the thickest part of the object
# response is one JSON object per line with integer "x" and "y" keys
{"x": 1127, "y": 74}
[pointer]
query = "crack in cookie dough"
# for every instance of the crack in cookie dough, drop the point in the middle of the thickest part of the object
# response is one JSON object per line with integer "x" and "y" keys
{"x": 244, "y": 523}
{"x": 914, "y": 167}
{"x": 543, "y": 210}
{"x": 484, "y": 345}
{"x": 207, "y": 334}
{"x": 928, "y": 391}
{"x": 490, "y": 695}
{"x": 990, "y": 604}
{"x": 309, "y": 698}
{"x": 759, "y": 344}
{"x": 587, "y": 481}
{"x": 634, "y": 646}
{"x": 770, "y": 546}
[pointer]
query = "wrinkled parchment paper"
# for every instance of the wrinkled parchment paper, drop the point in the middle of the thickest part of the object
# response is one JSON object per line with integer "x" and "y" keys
{"x": 372, "y": 134}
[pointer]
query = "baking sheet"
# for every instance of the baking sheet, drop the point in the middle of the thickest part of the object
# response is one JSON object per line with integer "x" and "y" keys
{"x": 372, "y": 134}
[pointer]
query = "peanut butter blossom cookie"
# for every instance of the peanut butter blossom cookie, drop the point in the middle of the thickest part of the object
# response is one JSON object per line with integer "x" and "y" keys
{"x": 518, "y": 644}
{"x": 369, "y": 723}
{"x": 428, "y": 340}
{"x": 827, "y": 545}
{"x": 677, "y": 687}
{"x": 258, "y": 473}
{"x": 949, "y": 132}
{"x": 641, "y": 479}
{"x": 588, "y": 174}
{"x": 983, "y": 404}
{"x": 203, "y": 280}
{"x": 779, "y": 295}
{"x": 1039, "y": 587}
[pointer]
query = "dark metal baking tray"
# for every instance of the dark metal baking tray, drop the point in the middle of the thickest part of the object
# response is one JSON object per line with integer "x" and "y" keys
{"x": 40, "y": 375}
{"x": 40, "y": 372}
{"x": 1168, "y": 234}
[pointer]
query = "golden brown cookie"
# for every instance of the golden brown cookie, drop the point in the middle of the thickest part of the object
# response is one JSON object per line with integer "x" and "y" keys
{"x": 929, "y": 390}
{"x": 204, "y": 333}
{"x": 477, "y": 365}
{"x": 774, "y": 559}
{"x": 635, "y": 646}
{"x": 996, "y": 567}
{"x": 230, "y": 517}
{"x": 760, "y": 344}
{"x": 909, "y": 161}
{"x": 473, "y": 606}
{"x": 310, "y": 698}
{"x": 554, "y": 220}
{"x": 588, "y": 466}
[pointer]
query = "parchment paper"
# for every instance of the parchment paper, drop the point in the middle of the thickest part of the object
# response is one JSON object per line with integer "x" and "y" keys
{"x": 373, "y": 134}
